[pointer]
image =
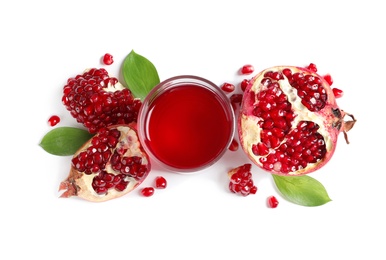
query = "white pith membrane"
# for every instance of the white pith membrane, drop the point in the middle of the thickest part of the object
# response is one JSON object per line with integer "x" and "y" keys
{"x": 251, "y": 131}
{"x": 128, "y": 139}
{"x": 112, "y": 88}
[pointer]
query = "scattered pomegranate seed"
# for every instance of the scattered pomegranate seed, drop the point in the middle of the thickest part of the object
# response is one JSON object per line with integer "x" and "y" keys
{"x": 337, "y": 92}
{"x": 247, "y": 69}
{"x": 312, "y": 67}
{"x": 244, "y": 84}
{"x": 160, "y": 182}
{"x": 53, "y": 120}
{"x": 108, "y": 59}
{"x": 235, "y": 100}
{"x": 147, "y": 192}
{"x": 234, "y": 145}
{"x": 228, "y": 87}
{"x": 328, "y": 79}
{"x": 272, "y": 202}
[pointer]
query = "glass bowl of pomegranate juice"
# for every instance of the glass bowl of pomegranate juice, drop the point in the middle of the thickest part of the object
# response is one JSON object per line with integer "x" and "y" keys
{"x": 186, "y": 123}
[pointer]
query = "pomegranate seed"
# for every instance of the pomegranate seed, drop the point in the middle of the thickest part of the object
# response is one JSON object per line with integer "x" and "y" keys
{"x": 272, "y": 202}
{"x": 235, "y": 100}
{"x": 108, "y": 59}
{"x": 234, "y": 146}
{"x": 328, "y": 78}
{"x": 228, "y": 87}
{"x": 53, "y": 120}
{"x": 337, "y": 92}
{"x": 247, "y": 69}
{"x": 244, "y": 84}
{"x": 160, "y": 182}
{"x": 147, "y": 192}
{"x": 312, "y": 67}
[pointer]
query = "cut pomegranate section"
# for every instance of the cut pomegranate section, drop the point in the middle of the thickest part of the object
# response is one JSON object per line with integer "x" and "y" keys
{"x": 111, "y": 164}
{"x": 289, "y": 120}
{"x": 97, "y": 100}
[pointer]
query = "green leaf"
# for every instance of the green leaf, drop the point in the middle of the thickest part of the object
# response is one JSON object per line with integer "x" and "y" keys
{"x": 303, "y": 190}
{"x": 139, "y": 74}
{"x": 64, "y": 140}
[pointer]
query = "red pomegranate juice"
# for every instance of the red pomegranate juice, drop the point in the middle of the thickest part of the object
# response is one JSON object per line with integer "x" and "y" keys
{"x": 187, "y": 127}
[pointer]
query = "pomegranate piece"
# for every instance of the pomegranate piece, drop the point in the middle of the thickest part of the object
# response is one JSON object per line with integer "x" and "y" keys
{"x": 109, "y": 165}
{"x": 53, "y": 120}
{"x": 108, "y": 59}
{"x": 228, "y": 87}
{"x": 247, "y": 69}
{"x": 97, "y": 100}
{"x": 147, "y": 191}
{"x": 160, "y": 182}
{"x": 289, "y": 121}
{"x": 241, "y": 181}
{"x": 272, "y": 202}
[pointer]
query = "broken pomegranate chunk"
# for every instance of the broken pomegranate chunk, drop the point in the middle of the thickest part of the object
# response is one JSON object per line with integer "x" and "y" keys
{"x": 109, "y": 165}
{"x": 241, "y": 181}
{"x": 97, "y": 100}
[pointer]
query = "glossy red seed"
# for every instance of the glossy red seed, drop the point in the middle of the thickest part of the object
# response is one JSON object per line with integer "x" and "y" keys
{"x": 160, "y": 182}
{"x": 235, "y": 100}
{"x": 234, "y": 146}
{"x": 312, "y": 67}
{"x": 328, "y": 78}
{"x": 108, "y": 59}
{"x": 337, "y": 92}
{"x": 244, "y": 84}
{"x": 247, "y": 69}
{"x": 53, "y": 120}
{"x": 147, "y": 191}
{"x": 272, "y": 202}
{"x": 228, "y": 87}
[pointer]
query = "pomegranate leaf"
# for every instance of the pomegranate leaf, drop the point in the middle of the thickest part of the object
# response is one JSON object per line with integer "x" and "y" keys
{"x": 140, "y": 74}
{"x": 303, "y": 190}
{"x": 64, "y": 140}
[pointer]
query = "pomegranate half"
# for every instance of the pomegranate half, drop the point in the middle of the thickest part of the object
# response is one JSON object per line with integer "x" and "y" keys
{"x": 289, "y": 120}
{"x": 109, "y": 165}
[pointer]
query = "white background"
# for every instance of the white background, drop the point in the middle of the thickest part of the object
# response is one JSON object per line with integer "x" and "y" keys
{"x": 45, "y": 42}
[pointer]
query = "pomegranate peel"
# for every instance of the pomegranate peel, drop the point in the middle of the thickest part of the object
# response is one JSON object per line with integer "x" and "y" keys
{"x": 111, "y": 164}
{"x": 289, "y": 120}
